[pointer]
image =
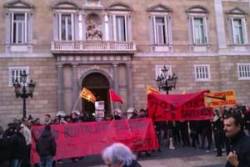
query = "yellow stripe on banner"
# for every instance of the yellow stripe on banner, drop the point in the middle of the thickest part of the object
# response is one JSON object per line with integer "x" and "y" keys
{"x": 151, "y": 89}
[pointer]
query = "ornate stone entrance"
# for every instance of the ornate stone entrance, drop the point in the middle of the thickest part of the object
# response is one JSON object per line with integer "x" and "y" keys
{"x": 99, "y": 85}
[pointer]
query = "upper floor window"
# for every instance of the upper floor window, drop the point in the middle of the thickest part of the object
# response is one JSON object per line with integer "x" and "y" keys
{"x": 18, "y": 23}
{"x": 244, "y": 71}
{"x": 65, "y": 21}
{"x": 121, "y": 27}
{"x": 202, "y": 72}
{"x": 198, "y": 28}
{"x": 160, "y": 25}
{"x": 237, "y": 26}
{"x": 120, "y": 23}
{"x": 66, "y": 27}
{"x": 15, "y": 73}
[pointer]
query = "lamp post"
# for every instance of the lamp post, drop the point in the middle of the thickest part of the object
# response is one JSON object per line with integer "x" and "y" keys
{"x": 24, "y": 89}
{"x": 166, "y": 82}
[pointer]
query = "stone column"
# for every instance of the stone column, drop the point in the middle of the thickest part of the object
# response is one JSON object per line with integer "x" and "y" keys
{"x": 60, "y": 88}
{"x": 130, "y": 96}
{"x": 106, "y": 27}
{"x": 75, "y": 91}
{"x": 115, "y": 74}
{"x": 116, "y": 83}
{"x": 220, "y": 25}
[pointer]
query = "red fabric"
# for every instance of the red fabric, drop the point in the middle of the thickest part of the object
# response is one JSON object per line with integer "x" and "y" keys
{"x": 83, "y": 139}
{"x": 114, "y": 97}
{"x": 178, "y": 107}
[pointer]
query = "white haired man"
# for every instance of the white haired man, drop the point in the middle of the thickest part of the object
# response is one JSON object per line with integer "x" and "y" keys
{"x": 119, "y": 155}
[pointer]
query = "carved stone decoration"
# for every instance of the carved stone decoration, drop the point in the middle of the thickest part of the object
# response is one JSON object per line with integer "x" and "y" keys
{"x": 93, "y": 27}
{"x": 93, "y": 2}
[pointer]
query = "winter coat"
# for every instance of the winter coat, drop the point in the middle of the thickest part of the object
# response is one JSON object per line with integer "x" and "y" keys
{"x": 46, "y": 144}
{"x": 18, "y": 146}
{"x": 133, "y": 164}
{"x": 5, "y": 149}
{"x": 241, "y": 144}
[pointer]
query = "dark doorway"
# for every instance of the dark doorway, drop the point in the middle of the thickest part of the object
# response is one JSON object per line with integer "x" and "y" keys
{"x": 99, "y": 85}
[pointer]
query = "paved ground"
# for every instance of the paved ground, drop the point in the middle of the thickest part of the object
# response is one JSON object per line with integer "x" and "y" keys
{"x": 182, "y": 157}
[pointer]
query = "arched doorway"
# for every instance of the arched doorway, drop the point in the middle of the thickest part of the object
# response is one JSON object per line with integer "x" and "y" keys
{"x": 99, "y": 85}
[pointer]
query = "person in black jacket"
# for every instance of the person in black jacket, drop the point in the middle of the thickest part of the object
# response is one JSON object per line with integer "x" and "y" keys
{"x": 46, "y": 147}
{"x": 18, "y": 146}
{"x": 239, "y": 155}
{"x": 218, "y": 133}
{"x": 119, "y": 155}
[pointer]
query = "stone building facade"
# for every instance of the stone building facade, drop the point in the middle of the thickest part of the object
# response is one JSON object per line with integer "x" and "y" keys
{"x": 65, "y": 45}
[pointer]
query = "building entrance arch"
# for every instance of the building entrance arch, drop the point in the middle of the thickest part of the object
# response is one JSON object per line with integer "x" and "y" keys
{"x": 99, "y": 85}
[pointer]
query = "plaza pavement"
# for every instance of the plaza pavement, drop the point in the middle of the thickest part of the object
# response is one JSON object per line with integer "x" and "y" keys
{"x": 181, "y": 157}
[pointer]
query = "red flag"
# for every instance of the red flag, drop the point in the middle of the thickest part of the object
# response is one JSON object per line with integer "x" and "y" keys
{"x": 114, "y": 97}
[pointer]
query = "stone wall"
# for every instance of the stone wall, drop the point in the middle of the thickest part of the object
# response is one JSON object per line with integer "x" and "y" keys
{"x": 43, "y": 72}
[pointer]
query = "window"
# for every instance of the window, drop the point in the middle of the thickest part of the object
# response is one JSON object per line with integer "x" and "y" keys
{"x": 160, "y": 27}
{"x": 18, "y": 28}
{"x": 14, "y": 73}
{"x": 66, "y": 27}
{"x": 239, "y": 31}
{"x": 199, "y": 31}
{"x": 244, "y": 71}
{"x": 119, "y": 23}
{"x": 237, "y": 26}
{"x": 121, "y": 28}
{"x": 158, "y": 69}
{"x": 18, "y": 23}
{"x": 202, "y": 72}
{"x": 160, "y": 30}
{"x": 198, "y": 28}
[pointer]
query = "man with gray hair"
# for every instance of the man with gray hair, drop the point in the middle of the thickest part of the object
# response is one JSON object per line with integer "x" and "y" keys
{"x": 119, "y": 155}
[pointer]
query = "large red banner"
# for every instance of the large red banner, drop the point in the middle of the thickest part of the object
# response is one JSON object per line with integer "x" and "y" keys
{"x": 178, "y": 107}
{"x": 82, "y": 139}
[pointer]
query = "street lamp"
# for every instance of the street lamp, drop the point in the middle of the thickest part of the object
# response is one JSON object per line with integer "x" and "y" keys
{"x": 24, "y": 89}
{"x": 166, "y": 82}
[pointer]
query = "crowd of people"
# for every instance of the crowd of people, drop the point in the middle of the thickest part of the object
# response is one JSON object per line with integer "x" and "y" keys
{"x": 15, "y": 141}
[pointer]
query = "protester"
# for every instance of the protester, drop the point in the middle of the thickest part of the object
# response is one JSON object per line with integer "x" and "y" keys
{"x": 239, "y": 155}
{"x": 247, "y": 122}
{"x": 28, "y": 138}
{"x": 117, "y": 114}
{"x": 132, "y": 113}
{"x": 119, "y": 155}
{"x": 206, "y": 133}
{"x": 184, "y": 133}
{"x": 4, "y": 148}
{"x": 46, "y": 147}
{"x": 18, "y": 147}
{"x": 218, "y": 132}
{"x": 194, "y": 133}
{"x": 47, "y": 119}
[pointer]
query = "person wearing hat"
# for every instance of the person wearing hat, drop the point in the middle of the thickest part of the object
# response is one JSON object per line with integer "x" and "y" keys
{"x": 117, "y": 114}
{"x": 47, "y": 119}
{"x": 75, "y": 116}
{"x": 131, "y": 113}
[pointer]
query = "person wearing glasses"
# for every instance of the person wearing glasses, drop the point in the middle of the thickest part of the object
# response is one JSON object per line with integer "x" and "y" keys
{"x": 119, "y": 155}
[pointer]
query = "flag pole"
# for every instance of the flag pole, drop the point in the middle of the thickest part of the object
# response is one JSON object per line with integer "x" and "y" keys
{"x": 111, "y": 104}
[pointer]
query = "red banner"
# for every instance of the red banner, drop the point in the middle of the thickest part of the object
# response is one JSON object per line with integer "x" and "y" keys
{"x": 178, "y": 107}
{"x": 82, "y": 139}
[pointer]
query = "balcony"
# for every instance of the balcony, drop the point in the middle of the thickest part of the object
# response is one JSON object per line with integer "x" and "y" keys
{"x": 81, "y": 47}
